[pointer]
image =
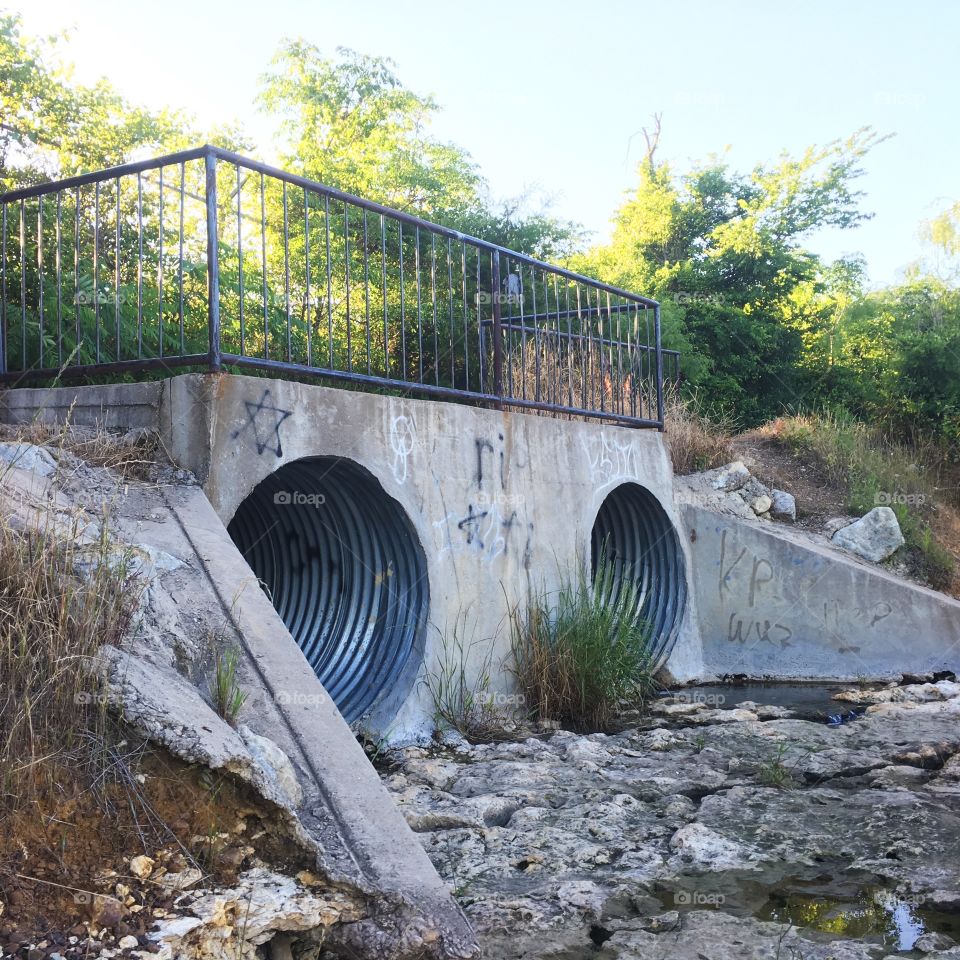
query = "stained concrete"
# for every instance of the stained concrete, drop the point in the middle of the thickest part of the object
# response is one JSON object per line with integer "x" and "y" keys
{"x": 775, "y": 603}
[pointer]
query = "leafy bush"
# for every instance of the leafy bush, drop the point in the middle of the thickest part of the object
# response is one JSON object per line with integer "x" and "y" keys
{"x": 584, "y": 656}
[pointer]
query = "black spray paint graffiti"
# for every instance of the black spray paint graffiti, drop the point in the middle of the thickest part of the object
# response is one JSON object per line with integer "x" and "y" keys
{"x": 265, "y": 419}
{"x": 740, "y": 630}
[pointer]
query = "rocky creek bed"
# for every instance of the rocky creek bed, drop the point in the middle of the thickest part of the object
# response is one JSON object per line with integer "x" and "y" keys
{"x": 705, "y": 833}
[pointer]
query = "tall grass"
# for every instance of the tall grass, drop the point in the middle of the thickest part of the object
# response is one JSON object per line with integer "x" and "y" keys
{"x": 698, "y": 440}
{"x": 876, "y": 470}
{"x": 582, "y": 655}
{"x": 59, "y": 602}
{"x": 461, "y": 688}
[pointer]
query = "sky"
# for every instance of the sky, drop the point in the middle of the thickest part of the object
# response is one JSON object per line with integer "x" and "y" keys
{"x": 553, "y": 95}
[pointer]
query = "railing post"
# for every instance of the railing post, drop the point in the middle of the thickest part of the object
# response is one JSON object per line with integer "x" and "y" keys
{"x": 3, "y": 290}
{"x": 213, "y": 261}
{"x": 497, "y": 328}
{"x": 659, "y": 356}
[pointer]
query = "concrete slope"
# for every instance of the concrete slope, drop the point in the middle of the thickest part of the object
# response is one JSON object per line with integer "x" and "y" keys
{"x": 774, "y": 603}
{"x": 365, "y": 839}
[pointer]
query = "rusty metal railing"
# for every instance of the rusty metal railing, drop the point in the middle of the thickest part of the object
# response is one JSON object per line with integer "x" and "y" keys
{"x": 206, "y": 258}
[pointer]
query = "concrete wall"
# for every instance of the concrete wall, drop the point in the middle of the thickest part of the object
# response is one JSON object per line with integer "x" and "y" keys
{"x": 501, "y": 502}
{"x": 772, "y": 603}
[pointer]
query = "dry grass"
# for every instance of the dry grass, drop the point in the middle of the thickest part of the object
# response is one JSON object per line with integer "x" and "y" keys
{"x": 59, "y": 602}
{"x": 132, "y": 455}
{"x": 916, "y": 480}
{"x": 696, "y": 441}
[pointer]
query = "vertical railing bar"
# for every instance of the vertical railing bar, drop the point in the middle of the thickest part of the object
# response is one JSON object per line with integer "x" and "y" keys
{"x": 160, "y": 264}
{"x": 536, "y": 335}
{"x": 366, "y": 287}
{"x": 76, "y": 270}
{"x": 656, "y": 328}
{"x": 523, "y": 335}
{"x": 383, "y": 277}
{"x": 23, "y": 284}
{"x": 403, "y": 312}
{"x": 346, "y": 257}
{"x": 213, "y": 260}
{"x": 308, "y": 296}
{"x": 286, "y": 271}
{"x": 139, "y": 268}
{"x": 648, "y": 384}
{"x": 183, "y": 187}
{"x": 3, "y": 289}
{"x": 450, "y": 322}
{"x": 326, "y": 227}
{"x": 497, "y": 345}
{"x": 433, "y": 300}
{"x": 416, "y": 267}
{"x": 40, "y": 277}
{"x": 263, "y": 268}
{"x": 631, "y": 358}
{"x": 566, "y": 288}
{"x": 482, "y": 347}
{"x": 96, "y": 266}
{"x": 240, "y": 317}
{"x": 466, "y": 318}
{"x": 116, "y": 274}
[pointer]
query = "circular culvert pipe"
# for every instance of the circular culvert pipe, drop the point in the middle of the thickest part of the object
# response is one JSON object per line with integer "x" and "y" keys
{"x": 341, "y": 562}
{"x": 641, "y": 544}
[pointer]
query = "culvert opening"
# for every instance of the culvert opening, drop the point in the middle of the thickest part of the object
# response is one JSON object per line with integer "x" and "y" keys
{"x": 641, "y": 545}
{"x": 342, "y": 564}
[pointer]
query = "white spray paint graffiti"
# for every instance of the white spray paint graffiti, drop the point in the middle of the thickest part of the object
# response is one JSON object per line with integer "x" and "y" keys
{"x": 610, "y": 459}
{"x": 403, "y": 438}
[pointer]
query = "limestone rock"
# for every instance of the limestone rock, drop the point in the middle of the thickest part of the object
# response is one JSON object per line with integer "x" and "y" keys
{"x": 731, "y": 477}
{"x": 875, "y": 536}
{"x": 233, "y": 924}
{"x": 28, "y": 456}
{"x": 783, "y": 506}
{"x": 761, "y": 505}
{"x": 275, "y": 763}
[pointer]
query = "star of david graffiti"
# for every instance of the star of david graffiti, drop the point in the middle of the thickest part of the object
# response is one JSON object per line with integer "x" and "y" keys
{"x": 265, "y": 419}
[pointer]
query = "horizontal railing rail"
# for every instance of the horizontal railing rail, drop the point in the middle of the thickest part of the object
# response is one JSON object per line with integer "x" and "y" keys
{"x": 206, "y": 258}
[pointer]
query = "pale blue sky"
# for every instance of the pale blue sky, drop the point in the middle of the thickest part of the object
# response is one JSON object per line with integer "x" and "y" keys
{"x": 550, "y": 93}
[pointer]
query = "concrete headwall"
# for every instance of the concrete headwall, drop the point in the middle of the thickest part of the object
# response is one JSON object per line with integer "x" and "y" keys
{"x": 774, "y": 604}
{"x": 501, "y": 502}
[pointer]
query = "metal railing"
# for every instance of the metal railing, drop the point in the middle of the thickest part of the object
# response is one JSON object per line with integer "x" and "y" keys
{"x": 206, "y": 258}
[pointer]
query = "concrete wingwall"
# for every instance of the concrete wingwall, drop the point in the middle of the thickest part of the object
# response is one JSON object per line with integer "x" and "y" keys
{"x": 500, "y": 502}
{"x": 772, "y": 603}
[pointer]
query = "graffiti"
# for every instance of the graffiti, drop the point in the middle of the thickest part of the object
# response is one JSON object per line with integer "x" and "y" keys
{"x": 484, "y": 446}
{"x": 265, "y": 420}
{"x": 740, "y": 630}
{"x": 760, "y": 574}
{"x": 488, "y": 532}
{"x": 403, "y": 438}
{"x": 610, "y": 459}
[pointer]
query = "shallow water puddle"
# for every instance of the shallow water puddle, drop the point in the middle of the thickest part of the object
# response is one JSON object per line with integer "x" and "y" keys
{"x": 872, "y": 914}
